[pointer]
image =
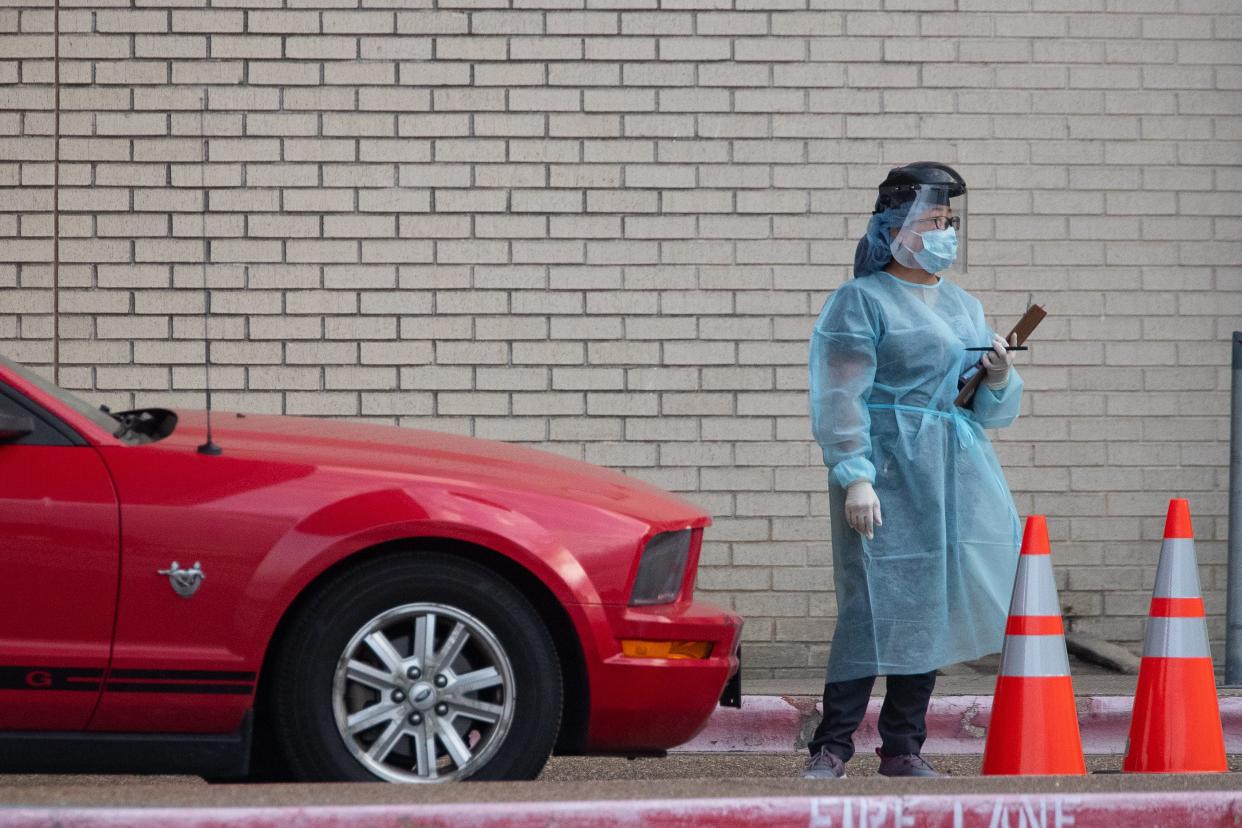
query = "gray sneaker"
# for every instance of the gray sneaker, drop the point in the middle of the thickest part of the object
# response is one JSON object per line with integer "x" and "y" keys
{"x": 824, "y": 765}
{"x": 906, "y": 764}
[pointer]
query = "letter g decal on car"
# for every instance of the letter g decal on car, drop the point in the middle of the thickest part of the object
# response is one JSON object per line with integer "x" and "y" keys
{"x": 39, "y": 679}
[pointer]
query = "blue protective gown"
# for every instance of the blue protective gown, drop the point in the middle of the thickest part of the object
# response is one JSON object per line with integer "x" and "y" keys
{"x": 933, "y": 585}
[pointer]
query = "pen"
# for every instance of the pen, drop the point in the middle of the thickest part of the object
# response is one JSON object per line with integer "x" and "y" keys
{"x": 1009, "y": 348}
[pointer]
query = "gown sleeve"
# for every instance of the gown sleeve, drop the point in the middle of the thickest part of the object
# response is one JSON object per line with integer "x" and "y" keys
{"x": 999, "y": 408}
{"x": 842, "y": 370}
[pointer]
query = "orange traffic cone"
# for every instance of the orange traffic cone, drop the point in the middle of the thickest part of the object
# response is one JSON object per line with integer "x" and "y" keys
{"x": 1175, "y": 726}
{"x": 1034, "y": 727}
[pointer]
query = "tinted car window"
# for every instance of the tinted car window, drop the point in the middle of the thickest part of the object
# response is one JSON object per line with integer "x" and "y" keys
{"x": 8, "y": 408}
{"x": 12, "y": 405}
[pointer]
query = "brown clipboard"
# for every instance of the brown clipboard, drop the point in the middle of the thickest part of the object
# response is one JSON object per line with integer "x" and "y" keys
{"x": 1029, "y": 321}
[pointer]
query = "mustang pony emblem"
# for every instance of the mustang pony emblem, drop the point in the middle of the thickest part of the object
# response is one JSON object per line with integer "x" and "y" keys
{"x": 185, "y": 582}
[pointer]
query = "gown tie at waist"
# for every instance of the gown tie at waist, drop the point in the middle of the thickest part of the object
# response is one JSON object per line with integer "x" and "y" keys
{"x": 961, "y": 423}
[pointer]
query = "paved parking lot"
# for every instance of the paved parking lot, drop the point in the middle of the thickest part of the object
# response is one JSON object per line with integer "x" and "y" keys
{"x": 567, "y": 778}
{"x": 767, "y": 766}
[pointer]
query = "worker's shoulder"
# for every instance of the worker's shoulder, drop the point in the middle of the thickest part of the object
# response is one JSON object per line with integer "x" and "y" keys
{"x": 855, "y": 293}
{"x": 852, "y": 307}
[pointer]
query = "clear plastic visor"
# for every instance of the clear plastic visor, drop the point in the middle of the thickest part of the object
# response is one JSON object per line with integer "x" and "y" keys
{"x": 933, "y": 236}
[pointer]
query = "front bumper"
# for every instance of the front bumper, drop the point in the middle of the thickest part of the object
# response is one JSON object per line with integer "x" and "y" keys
{"x": 644, "y": 705}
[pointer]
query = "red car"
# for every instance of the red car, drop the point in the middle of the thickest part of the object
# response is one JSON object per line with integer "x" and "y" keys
{"x": 331, "y": 601}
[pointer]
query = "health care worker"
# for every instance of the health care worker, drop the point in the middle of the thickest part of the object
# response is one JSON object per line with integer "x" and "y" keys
{"x": 924, "y": 530}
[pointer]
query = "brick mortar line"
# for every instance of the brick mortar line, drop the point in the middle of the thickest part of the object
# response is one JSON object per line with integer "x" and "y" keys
{"x": 56, "y": 191}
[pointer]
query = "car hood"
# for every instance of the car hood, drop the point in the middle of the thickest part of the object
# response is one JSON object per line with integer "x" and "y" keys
{"x": 432, "y": 455}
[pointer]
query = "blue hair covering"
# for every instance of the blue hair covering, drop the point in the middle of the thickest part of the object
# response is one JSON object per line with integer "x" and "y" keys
{"x": 874, "y": 248}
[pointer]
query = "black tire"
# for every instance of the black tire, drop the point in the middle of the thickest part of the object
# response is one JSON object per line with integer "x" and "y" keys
{"x": 302, "y": 702}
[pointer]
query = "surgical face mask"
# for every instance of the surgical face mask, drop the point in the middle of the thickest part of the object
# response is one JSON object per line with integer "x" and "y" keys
{"x": 939, "y": 250}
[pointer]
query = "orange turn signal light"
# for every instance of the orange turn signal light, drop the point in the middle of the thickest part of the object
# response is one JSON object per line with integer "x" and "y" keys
{"x": 637, "y": 648}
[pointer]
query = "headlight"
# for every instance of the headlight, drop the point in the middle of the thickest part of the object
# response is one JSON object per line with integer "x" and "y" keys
{"x": 662, "y": 568}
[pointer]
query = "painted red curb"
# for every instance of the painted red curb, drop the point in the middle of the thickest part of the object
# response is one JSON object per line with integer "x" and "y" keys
{"x": 1203, "y": 809}
{"x": 955, "y": 725}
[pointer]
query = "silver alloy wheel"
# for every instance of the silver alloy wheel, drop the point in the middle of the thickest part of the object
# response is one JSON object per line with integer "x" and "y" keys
{"x": 423, "y": 693}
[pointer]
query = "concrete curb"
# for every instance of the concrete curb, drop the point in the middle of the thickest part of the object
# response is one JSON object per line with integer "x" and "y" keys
{"x": 1204, "y": 809}
{"x": 955, "y": 725}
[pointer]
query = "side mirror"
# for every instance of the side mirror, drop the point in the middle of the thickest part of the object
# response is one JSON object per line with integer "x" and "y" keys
{"x": 14, "y": 428}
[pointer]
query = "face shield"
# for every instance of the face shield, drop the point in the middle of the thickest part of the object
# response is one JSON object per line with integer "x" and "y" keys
{"x": 933, "y": 235}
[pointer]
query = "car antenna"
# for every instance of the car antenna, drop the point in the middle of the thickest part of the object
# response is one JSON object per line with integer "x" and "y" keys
{"x": 208, "y": 447}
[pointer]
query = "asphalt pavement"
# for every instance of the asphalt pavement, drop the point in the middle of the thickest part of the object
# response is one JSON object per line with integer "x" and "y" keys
{"x": 594, "y": 778}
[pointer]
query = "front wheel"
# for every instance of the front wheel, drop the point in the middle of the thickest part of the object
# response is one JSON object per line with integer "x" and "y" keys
{"x": 421, "y": 668}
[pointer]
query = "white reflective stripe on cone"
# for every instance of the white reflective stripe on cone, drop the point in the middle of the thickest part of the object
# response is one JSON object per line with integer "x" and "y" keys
{"x": 1178, "y": 574}
{"x": 1176, "y": 638}
{"x": 1037, "y": 594}
{"x": 1034, "y": 655}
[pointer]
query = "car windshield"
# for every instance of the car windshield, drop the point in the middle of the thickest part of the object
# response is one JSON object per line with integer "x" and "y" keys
{"x": 93, "y": 413}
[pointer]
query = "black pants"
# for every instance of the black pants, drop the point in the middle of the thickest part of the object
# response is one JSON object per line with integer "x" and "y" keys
{"x": 903, "y": 717}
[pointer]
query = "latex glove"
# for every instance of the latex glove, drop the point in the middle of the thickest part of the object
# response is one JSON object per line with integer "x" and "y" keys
{"x": 862, "y": 508}
{"x": 996, "y": 362}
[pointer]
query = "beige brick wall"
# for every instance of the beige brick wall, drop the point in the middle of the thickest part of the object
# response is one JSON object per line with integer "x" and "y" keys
{"x": 606, "y": 232}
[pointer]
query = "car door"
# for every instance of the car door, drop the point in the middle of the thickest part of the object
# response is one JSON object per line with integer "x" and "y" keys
{"x": 59, "y": 564}
{"x": 177, "y": 661}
